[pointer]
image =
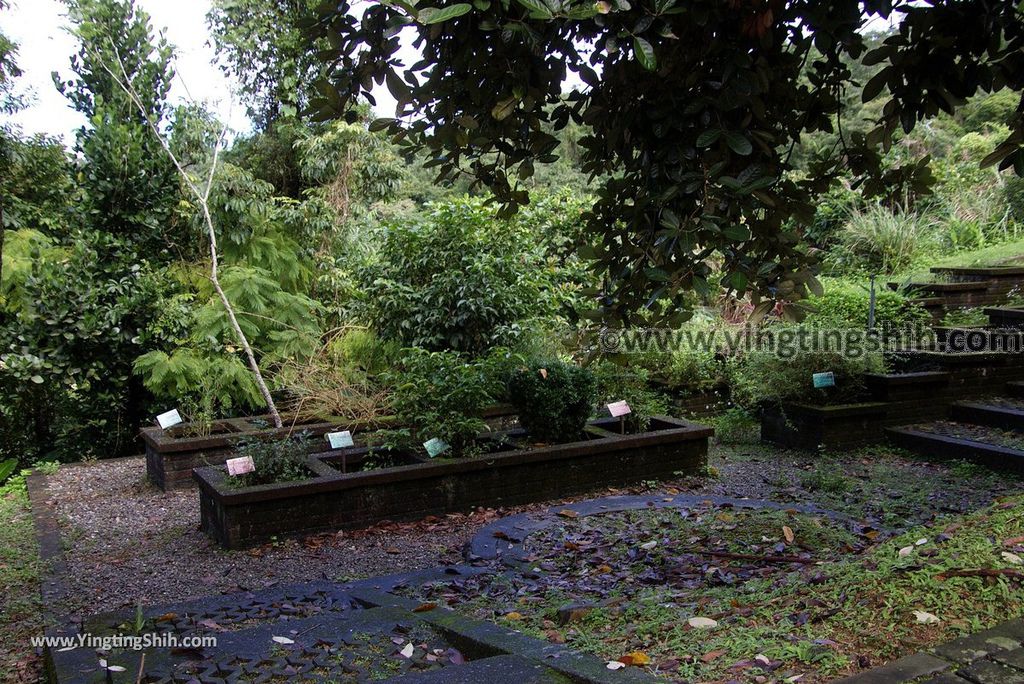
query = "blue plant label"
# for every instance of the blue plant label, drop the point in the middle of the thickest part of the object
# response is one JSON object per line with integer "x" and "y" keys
{"x": 822, "y": 380}
{"x": 169, "y": 419}
{"x": 435, "y": 447}
{"x": 340, "y": 440}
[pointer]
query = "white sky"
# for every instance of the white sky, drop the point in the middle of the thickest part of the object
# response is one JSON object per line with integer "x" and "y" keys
{"x": 44, "y": 46}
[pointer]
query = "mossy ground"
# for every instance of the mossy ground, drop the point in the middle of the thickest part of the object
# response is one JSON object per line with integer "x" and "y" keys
{"x": 850, "y": 603}
{"x": 20, "y": 568}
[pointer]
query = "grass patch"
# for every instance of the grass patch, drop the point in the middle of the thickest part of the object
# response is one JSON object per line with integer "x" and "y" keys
{"x": 854, "y": 608}
{"x": 20, "y": 569}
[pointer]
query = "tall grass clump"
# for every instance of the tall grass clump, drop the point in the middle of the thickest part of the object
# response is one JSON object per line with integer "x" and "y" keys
{"x": 882, "y": 240}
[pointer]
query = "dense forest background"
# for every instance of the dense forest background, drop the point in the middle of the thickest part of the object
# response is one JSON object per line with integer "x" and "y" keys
{"x": 339, "y": 250}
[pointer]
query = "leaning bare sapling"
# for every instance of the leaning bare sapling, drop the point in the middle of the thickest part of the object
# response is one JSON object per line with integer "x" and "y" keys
{"x": 202, "y": 196}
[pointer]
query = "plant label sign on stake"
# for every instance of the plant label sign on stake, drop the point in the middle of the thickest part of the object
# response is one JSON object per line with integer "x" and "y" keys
{"x": 620, "y": 409}
{"x": 240, "y": 466}
{"x": 823, "y": 380}
{"x": 435, "y": 447}
{"x": 169, "y": 419}
{"x": 340, "y": 440}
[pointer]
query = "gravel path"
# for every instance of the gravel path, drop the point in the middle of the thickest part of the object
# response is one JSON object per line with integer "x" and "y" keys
{"x": 126, "y": 541}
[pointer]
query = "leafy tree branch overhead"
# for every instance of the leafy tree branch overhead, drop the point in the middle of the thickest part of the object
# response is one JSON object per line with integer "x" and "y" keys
{"x": 694, "y": 106}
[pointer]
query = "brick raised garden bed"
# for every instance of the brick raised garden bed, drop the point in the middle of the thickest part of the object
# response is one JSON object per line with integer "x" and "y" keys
{"x": 814, "y": 428}
{"x": 892, "y": 400}
{"x": 332, "y": 500}
{"x": 172, "y": 454}
{"x": 1005, "y": 317}
{"x": 969, "y": 287}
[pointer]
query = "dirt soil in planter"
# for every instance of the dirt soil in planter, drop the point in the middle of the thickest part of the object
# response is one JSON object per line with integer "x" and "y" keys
{"x": 1012, "y": 403}
{"x": 126, "y": 541}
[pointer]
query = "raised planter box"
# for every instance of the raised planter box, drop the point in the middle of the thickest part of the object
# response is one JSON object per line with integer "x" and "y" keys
{"x": 1004, "y": 317}
{"x": 172, "y": 454}
{"x": 954, "y": 447}
{"x": 332, "y": 500}
{"x": 823, "y": 428}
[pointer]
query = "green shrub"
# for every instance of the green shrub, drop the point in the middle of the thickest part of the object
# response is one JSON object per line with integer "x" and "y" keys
{"x": 966, "y": 317}
{"x": 697, "y": 370}
{"x": 442, "y": 395}
{"x": 456, "y": 280}
{"x": 554, "y": 399}
{"x": 845, "y": 305}
{"x": 694, "y": 364}
{"x": 763, "y": 378}
{"x": 618, "y": 383}
{"x": 362, "y": 348}
{"x": 1013, "y": 196}
{"x": 833, "y": 210}
{"x": 275, "y": 460}
{"x": 736, "y": 426}
{"x": 7, "y": 468}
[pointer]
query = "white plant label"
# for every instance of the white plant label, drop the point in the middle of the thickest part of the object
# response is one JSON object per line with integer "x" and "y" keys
{"x": 340, "y": 440}
{"x": 619, "y": 408}
{"x": 240, "y": 466}
{"x": 169, "y": 419}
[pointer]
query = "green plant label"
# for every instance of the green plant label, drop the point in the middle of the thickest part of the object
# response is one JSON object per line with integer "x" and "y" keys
{"x": 619, "y": 408}
{"x": 168, "y": 419}
{"x": 822, "y": 380}
{"x": 240, "y": 466}
{"x": 435, "y": 447}
{"x": 340, "y": 440}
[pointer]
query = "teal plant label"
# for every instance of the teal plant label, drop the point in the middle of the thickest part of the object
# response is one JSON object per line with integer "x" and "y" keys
{"x": 822, "y": 380}
{"x": 169, "y": 419}
{"x": 340, "y": 440}
{"x": 435, "y": 447}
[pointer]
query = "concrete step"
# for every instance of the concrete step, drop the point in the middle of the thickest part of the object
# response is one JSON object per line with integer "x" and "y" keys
{"x": 1005, "y": 414}
{"x": 920, "y": 440}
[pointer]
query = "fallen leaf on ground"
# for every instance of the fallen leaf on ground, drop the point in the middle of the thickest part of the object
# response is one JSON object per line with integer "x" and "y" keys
{"x": 568, "y": 513}
{"x": 283, "y": 640}
{"x": 711, "y": 655}
{"x": 513, "y": 616}
{"x": 424, "y": 607}
{"x": 787, "y": 532}
{"x": 1011, "y": 558}
{"x": 615, "y": 665}
{"x": 407, "y": 651}
{"x": 926, "y": 618}
{"x": 637, "y": 658}
{"x": 702, "y": 623}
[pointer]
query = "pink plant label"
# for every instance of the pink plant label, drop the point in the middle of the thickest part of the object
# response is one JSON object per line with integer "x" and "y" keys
{"x": 619, "y": 408}
{"x": 240, "y": 466}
